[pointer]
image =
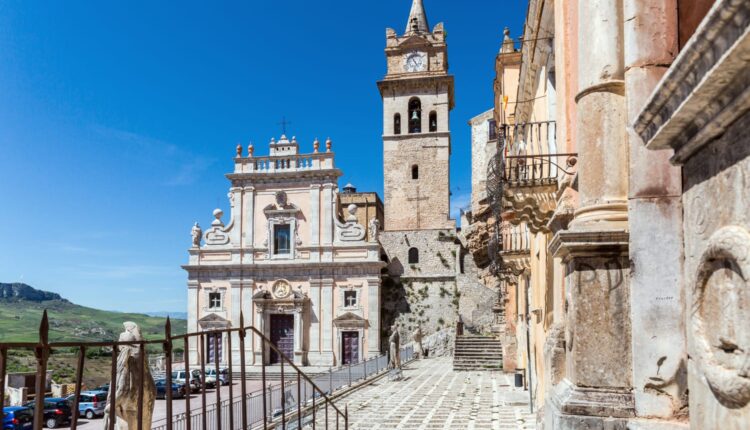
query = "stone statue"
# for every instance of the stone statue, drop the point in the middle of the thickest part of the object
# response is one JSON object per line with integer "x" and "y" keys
{"x": 129, "y": 378}
{"x": 196, "y": 232}
{"x": 374, "y": 229}
{"x": 417, "y": 336}
{"x": 394, "y": 341}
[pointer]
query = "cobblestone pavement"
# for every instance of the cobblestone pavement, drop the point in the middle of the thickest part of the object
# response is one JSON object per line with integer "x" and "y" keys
{"x": 433, "y": 396}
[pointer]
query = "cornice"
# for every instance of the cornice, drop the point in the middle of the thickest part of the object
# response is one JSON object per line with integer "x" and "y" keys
{"x": 296, "y": 176}
{"x": 427, "y": 135}
{"x": 705, "y": 89}
{"x": 589, "y": 243}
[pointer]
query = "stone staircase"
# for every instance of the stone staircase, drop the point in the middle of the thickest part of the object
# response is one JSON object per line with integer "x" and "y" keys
{"x": 473, "y": 352}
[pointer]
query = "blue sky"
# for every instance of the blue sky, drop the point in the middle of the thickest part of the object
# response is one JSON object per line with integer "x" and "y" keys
{"x": 118, "y": 121}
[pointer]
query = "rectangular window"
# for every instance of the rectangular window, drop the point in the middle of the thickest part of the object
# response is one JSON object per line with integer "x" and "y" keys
{"x": 350, "y": 299}
{"x": 492, "y": 129}
{"x": 281, "y": 239}
{"x": 214, "y": 300}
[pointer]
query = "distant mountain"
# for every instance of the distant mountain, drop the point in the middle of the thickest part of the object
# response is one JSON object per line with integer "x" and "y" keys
{"x": 18, "y": 291}
{"x": 21, "y": 308}
{"x": 172, "y": 315}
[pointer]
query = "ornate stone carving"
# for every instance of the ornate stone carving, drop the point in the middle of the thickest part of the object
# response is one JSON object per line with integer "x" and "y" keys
{"x": 128, "y": 383}
{"x": 281, "y": 289}
{"x": 720, "y": 325}
{"x": 217, "y": 234}
{"x": 350, "y": 231}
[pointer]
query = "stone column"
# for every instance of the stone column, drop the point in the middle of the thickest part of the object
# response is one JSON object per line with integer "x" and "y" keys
{"x": 655, "y": 217}
{"x": 373, "y": 317}
{"x": 596, "y": 390}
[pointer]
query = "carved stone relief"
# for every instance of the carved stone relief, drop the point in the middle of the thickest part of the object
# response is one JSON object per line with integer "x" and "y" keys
{"x": 720, "y": 317}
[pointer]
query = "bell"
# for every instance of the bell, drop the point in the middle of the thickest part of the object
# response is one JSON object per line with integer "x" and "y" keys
{"x": 414, "y": 116}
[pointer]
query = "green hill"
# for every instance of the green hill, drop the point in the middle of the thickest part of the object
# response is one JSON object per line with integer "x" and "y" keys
{"x": 21, "y": 308}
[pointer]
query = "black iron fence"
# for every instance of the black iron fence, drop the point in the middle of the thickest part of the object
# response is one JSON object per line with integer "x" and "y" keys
{"x": 281, "y": 406}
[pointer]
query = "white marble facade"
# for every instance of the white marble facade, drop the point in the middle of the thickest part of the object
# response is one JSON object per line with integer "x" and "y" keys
{"x": 297, "y": 273}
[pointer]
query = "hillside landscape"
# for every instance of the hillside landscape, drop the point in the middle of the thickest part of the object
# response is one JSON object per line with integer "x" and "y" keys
{"x": 21, "y": 309}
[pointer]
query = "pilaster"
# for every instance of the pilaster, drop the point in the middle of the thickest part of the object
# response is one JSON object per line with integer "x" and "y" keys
{"x": 248, "y": 221}
{"x": 373, "y": 317}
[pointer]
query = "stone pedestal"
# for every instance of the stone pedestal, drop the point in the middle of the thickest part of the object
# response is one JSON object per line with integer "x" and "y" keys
{"x": 598, "y": 379}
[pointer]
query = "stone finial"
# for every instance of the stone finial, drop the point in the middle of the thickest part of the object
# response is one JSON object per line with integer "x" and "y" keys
{"x": 273, "y": 141}
{"x": 352, "y": 209}
{"x": 508, "y": 44}
{"x": 316, "y": 145}
{"x": 239, "y": 150}
{"x": 250, "y": 149}
{"x": 218, "y": 213}
{"x": 328, "y": 144}
{"x": 294, "y": 139}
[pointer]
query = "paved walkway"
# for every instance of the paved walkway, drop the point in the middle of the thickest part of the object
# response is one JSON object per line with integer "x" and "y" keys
{"x": 433, "y": 396}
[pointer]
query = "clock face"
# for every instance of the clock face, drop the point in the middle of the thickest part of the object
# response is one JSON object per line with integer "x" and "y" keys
{"x": 416, "y": 62}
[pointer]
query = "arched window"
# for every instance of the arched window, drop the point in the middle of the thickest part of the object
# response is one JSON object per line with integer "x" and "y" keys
{"x": 433, "y": 121}
{"x": 397, "y": 123}
{"x": 415, "y": 116}
{"x": 413, "y": 256}
{"x": 415, "y": 172}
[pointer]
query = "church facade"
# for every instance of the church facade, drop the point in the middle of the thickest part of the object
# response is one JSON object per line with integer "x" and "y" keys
{"x": 309, "y": 281}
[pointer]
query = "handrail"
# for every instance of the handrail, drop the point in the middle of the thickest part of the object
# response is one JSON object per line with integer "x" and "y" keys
{"x": 43, "y": 349}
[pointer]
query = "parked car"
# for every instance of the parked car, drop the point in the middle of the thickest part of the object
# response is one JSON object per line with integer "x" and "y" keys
{"x": 210, "y": 381}
{"x": 91, "y": 404}
{"x": 17, "y": 418}
{"x": 223, "y": 374}
{"x": 178, "y": 389}
{"x": 57, "y": 411}
{"x": 193, "y": 379}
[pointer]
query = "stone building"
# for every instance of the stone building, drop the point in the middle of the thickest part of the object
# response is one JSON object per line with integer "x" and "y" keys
{"x": 431, "y": 277}
{"x": 305, "y": 278}
{"x": 630, "y": 304}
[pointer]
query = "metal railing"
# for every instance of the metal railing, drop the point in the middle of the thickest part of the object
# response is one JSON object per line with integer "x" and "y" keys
{"x": 328, "y": 382}
{"x": 230, "y": 413}
{"x": 532, "y": 158}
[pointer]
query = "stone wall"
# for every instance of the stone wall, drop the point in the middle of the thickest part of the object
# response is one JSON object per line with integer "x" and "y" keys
{"x": 432, "y": 293}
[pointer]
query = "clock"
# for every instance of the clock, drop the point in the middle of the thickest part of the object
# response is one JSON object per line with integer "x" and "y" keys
{"x": 416, "y": 61}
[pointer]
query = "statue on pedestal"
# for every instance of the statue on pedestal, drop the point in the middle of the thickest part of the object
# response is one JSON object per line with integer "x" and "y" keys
{"x": 196, "y": 233}
{"x": 130, "y": 376}
{"x": 418, "y": 350}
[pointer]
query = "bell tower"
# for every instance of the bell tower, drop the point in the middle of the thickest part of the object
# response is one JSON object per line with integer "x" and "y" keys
{"x": 417, "y": 94}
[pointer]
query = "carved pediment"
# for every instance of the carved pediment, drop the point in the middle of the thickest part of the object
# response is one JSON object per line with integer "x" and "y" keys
{"x": 213, "y": 322}
{"x": 349, "y": 320}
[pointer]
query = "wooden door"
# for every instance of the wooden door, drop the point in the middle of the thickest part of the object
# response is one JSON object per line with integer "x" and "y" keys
{"x": 349, "y": 347}
{"x": 282, "y": 335}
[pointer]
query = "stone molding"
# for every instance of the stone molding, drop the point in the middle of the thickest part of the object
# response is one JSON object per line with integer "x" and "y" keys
{"x": 570, "y": 399}
{"x": 706, "y": 88}
{"x": 532, "y": 204}
{"x": 572, "y": 243}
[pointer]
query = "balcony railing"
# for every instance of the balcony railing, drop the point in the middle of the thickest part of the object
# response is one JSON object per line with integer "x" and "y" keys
{"x": 266, "y": 409}
{"x": 284, "y": 163}
{"x": 514, "y": 238}
{"x": 529, "y": 154}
